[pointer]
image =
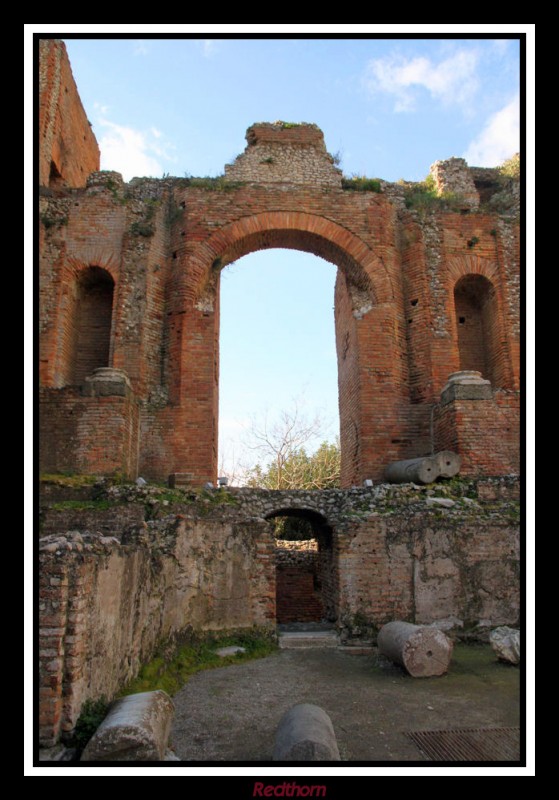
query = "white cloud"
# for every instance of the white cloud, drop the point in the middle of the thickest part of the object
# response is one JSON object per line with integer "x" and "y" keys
{"x": 500, "y": 138}
{"x": 101, "y": 109}
{"x": 500, "y": 47}
{"x": 209, "y": 48}
{"x": 129, "y": 151}
{"x": 141, "y": 48}
{"x": 453, "y": 80}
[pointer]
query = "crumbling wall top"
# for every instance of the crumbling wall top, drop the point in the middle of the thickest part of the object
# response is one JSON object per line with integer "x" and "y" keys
{"x": 285, "y": 132}
{"x": 285, "y": 152}
{"x": 453, "y": 176}
{"x": 69, "y": 151}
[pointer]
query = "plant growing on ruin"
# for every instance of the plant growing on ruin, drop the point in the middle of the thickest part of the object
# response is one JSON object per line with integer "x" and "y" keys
{"x": 219, "y": 184}
{"x": 171, "y": 668}
{"x": 54, "y": 221}
{"x": 91, "y": 716}
{"x": 511, "y": 167}
{"x": 142, "y": 229}
{"x": 359, "y": 183}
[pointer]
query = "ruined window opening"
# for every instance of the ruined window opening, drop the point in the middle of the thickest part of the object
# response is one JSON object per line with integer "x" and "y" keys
{"x": 477, "y": 327}
{"x": 414, "y": 302}
{"x": 90, "y": 323}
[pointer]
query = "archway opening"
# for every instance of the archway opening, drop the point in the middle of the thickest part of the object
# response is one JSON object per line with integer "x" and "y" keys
{"x": 278, "y": 361}
{"x": 477, "y": 326}
{"x": 305, "y": 574}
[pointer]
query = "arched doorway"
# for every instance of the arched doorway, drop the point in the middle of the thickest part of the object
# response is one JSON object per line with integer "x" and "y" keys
{"x": 370, "y": 341}
{"x": 306, "y": 585}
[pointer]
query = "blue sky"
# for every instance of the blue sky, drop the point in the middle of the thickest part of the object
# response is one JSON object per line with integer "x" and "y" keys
{"x": 389, "y": 107}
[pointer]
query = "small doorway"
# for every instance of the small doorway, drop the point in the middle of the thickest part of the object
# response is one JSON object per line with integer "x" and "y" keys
{"x": 305, "y": 579}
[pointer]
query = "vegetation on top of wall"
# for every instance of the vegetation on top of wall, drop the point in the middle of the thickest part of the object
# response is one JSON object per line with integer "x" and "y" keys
{"x": 511, "y": 167}
{"x": 423, "y": 196}
{"x": 115, "y": 189}
{"x": 285, "y": 125}
{"x": 359, "y": 183}
{"x": 68, "y": 479}
{"x": 218, "y": 184}
{"x": 83, "y": 505}
{"x": 170, "y": 672}
{"x": 142, "y": 229}
{"x": 410, "y": 498}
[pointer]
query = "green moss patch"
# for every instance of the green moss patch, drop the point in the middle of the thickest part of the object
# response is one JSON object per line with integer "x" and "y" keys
{"x": 170, "y": 673}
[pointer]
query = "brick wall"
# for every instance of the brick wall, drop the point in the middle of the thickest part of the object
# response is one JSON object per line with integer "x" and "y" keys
{"x": 484, "y": 432}
{"x": 163, "y": 244}
{"x": 88, "y": 435}
{"x": 298, "y": 584}
{"x": 68, "y": 148}
{"x": 427, "y": 569}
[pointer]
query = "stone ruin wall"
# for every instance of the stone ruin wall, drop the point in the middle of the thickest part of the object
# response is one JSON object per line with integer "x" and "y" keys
{"x": 116, "y": 585}
{"x": 129, "y": 363}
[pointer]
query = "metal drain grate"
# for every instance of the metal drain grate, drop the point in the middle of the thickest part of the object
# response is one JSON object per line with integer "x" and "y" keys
{"x": 469, "y": 744}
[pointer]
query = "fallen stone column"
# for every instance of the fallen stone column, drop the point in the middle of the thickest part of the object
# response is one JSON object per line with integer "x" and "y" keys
{"x": 422, "y": 651}
{"x": 448, "y": 463}
{"x": 414, "y": 470}
{"x": 136, "y": 729}
{"x": 305, "y": 733}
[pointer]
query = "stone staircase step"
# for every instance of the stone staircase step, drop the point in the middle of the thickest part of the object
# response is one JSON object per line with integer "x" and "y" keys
{"x": 308, "y": 639}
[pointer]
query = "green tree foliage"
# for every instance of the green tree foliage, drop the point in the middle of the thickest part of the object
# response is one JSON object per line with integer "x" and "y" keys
{"x": 511, "y": 167}
{"x": 296, "y": 469}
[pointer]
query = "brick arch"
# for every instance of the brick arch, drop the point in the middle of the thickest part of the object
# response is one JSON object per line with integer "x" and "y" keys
{"x": 293, "y": 507}
{"x": 75, "y": 265}
{"x": 459, "y": 266}
{"x": 294, "y": 230}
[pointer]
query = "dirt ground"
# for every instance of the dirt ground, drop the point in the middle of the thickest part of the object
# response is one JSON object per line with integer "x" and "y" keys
{"x": 231, "y": 713}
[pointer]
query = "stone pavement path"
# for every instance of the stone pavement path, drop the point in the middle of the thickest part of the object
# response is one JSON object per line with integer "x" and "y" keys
{"x": 231, "y": 713}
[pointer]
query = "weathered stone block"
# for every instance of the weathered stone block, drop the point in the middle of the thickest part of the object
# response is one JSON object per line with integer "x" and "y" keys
{"x": 108, "y": 382}
{"x": 136, "y": 729}
{"x": 505, "y": 642}
{"x": 466, "y": 385}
